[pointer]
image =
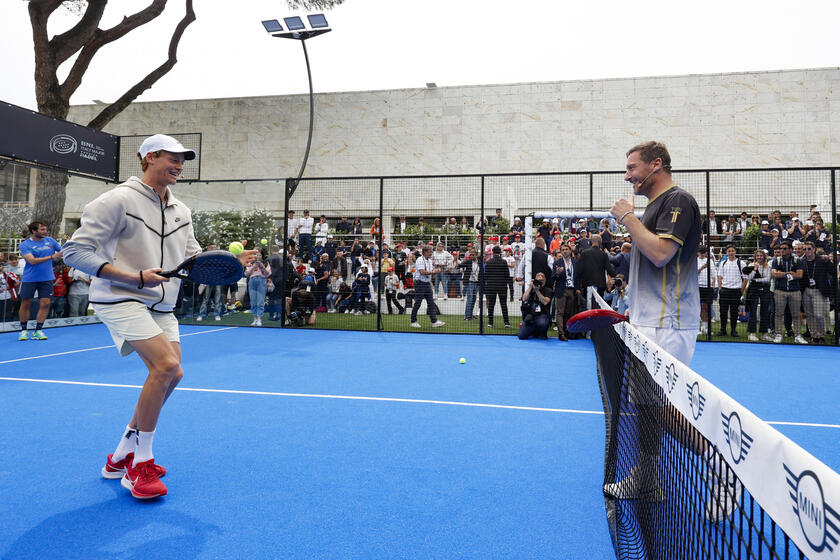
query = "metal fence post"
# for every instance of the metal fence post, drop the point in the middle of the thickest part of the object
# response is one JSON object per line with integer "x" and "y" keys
{"x": 833, "y": 261}
{"x": 706, "y": 229}
{"x": 288, "y": 187}
{"x": 379, "y": 257}
{"x": 480, "y": 258}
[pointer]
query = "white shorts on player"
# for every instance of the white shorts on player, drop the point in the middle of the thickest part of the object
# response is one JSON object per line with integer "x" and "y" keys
{"x": 679, "y": 343}
{"x": 132, "y": 320}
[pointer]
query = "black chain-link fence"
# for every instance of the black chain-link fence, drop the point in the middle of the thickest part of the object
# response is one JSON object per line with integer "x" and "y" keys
{"x": 353, "y": 258}
{"x": 129, "y": 145}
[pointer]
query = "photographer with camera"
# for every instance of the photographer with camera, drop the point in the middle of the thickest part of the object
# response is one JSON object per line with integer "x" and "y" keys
{"x": 617, "y": 294}
{"x": 300, "y": 308}
{"x": 536, "y": 308}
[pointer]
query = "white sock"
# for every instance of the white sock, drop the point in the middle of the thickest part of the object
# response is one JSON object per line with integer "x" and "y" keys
{"x": 126, "y": 445}
{"x": 143, "y": 451}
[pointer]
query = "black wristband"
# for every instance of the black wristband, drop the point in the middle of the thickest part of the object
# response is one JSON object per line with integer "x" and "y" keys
{"x": 142, "y": 283}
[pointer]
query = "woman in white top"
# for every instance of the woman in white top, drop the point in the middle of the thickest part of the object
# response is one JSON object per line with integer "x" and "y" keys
{"x": 322, "y": 229}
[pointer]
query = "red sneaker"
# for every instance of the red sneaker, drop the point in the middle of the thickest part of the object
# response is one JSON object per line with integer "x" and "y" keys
{"x": 143, "y": 481}
{"x": 113, "y": 470}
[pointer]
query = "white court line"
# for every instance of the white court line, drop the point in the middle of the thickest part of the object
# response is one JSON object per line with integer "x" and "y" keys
{"x": 99, "y": 348}
{"x": 311, "y": 396}
{"x": 381, "y": 399}
{"x": 806, "y": 424}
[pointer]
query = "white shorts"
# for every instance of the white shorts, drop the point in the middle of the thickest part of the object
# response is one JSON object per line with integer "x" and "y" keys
{"x": 680, "y": 343}
{"x": 131, "y": 320}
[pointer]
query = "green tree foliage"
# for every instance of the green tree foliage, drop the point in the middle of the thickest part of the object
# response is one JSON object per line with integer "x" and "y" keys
{"x": 226, "y": 226}
{"x": 83, "y": 41}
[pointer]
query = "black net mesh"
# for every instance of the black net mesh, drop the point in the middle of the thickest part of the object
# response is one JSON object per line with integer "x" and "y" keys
{"x": 467, "y": 215}
{"x": 668, "y": 492}
{"x": 128, "y": 155}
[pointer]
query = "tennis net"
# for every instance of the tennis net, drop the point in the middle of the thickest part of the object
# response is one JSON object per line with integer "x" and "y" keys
{"x": 689, "y": 473}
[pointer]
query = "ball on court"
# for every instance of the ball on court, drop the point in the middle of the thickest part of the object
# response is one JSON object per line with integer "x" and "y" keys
{"x": 236, "y": 247}
{"x": 264, "y": 241}
{"x": 463, "y": 360}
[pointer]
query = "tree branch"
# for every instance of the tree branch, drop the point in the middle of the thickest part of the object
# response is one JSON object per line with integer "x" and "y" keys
{"x": 100, "y": 38}
{"x": 46, "y": 81}
{"x": 46, "y": 7}
{"x": 112, "y": 110}
{"x": 131, "y": 22}
{"x": 69, "y": 42}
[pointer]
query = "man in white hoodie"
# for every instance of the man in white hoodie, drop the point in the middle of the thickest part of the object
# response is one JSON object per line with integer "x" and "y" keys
{"x": 129, "y": 235}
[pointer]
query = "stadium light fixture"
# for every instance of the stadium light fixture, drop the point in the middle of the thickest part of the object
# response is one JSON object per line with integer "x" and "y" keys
{"x": 297, "y": 29}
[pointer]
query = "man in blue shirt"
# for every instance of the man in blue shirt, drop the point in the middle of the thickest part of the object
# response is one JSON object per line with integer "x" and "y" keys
{"x": 39, "y": 251}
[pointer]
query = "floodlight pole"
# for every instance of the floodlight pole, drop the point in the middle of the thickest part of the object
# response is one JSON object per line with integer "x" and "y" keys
{"x": 302, "y": 36}
{"x": 292, "y": 184}
{"x": 311, "y": 113}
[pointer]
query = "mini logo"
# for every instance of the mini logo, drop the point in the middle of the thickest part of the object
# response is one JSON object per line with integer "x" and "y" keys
{"x": 695, "y": 400}
{"x": 644, "y": 354}
{"x": 177, "y": 220}
{"x": 63, "y": 144}
{"x": 671, "y": 375}
{"x": 820, "y": 522}
{"x": 637, "y": 344}
{"x": 656, "y": 364}
{"x": 739, "y": 441}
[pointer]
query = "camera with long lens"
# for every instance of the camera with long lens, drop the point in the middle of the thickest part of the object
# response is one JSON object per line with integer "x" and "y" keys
{"x": 618, "y": 284}
{"x": 296, "y": 319}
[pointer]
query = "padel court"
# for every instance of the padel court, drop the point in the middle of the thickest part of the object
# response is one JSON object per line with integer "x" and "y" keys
{"x": 332, "y": 444}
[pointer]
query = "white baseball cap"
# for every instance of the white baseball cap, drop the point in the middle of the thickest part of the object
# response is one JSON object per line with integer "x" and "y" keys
{"x": 166, "y": 143}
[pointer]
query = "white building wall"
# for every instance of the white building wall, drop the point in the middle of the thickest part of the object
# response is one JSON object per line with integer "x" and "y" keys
{"x": 747, "y": 120}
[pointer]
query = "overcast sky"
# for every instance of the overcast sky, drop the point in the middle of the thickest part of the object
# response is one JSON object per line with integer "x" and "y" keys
{"x": 392, "y": 44}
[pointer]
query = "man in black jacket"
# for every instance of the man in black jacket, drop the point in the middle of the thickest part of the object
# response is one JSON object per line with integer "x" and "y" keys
{"x": 593, "y": 266}
{"x": 566, "y": 288}
{"x": 496, "y": 275}
{"x": 818, "y": 280}
{"x": 277, "y": 262}
{"x": 539, "y": 260}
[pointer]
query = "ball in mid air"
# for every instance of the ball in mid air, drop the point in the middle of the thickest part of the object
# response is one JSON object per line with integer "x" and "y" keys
{"x": 264, "y": 241}
{"x": 236, "y": 247}
{"x": 463, "y": 360}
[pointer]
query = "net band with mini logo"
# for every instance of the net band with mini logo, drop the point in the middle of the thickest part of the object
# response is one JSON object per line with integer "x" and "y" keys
{"x": 690, "y": 473}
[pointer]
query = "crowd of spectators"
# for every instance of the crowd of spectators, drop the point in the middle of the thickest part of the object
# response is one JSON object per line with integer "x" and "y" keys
{"x": 778, "y": 274}
{"x": 69, "y": 290}
{"x": 735, "y": 267}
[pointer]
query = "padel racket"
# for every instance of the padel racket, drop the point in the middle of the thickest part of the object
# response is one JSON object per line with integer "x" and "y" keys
{"x": 593, "y": 319}
{"x": 214, "y": 268}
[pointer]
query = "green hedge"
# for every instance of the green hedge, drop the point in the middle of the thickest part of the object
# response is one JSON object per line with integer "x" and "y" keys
{"x": 226, "y": 226}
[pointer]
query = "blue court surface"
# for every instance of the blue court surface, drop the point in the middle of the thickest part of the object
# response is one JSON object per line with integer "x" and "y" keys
{"x": 327, "y": 444}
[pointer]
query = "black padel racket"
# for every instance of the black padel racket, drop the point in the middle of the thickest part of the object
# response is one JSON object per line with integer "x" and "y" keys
{"x": 214, "y": 268}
